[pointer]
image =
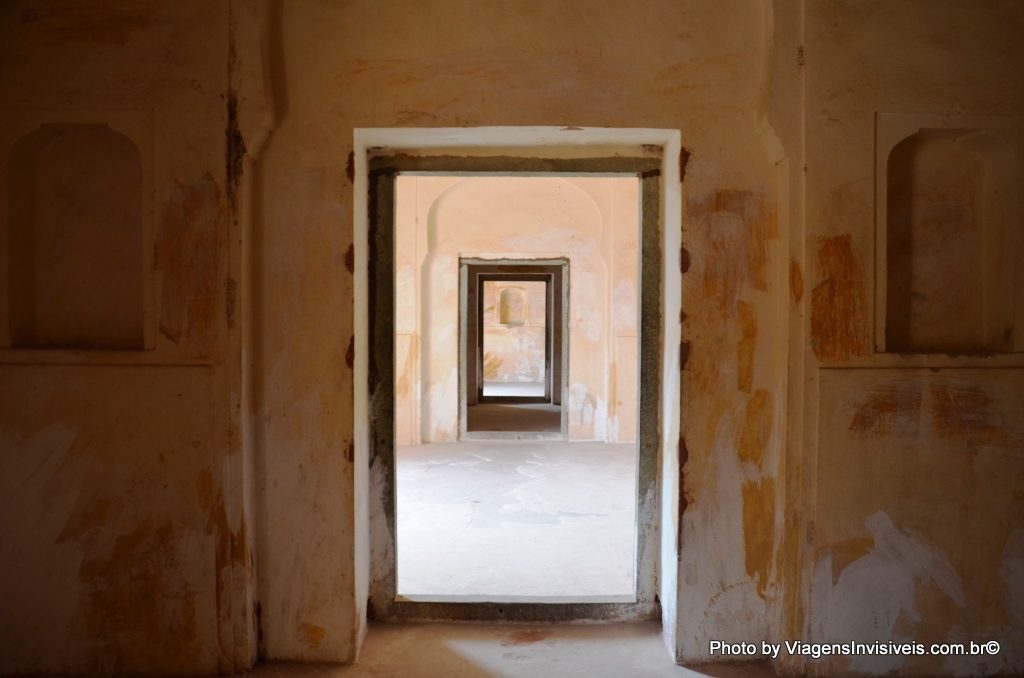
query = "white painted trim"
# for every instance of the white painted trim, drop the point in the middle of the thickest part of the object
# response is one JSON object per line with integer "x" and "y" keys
{"x": 360, "y": 392}
{"x": 525, "y": 137}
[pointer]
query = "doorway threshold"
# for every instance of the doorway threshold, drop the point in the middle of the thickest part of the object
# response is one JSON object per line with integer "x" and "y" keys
{"x": 513, "y": 435}
{"x": 552, "y": 600}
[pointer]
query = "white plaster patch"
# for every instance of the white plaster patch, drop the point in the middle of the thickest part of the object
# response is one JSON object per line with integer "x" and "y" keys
{"x": 444, "y": 421}
{"x": 1012, "y": 573}
{"x": 614, "y": 429}
{"x": 448, "y": 274}
{"x": 874, "y": 590}
{"x": 601, "y": 420}
{"x": 581, "y": 405}
{"x": 724, "y": 604}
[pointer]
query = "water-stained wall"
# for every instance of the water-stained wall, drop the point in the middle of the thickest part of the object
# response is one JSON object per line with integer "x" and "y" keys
{"x": 347, "y": 66}
{"x": 122, "y": 549}
{"x": 217, "y": 80}
{"x": 910, "y": 456}
{"x": 145, "y": 488}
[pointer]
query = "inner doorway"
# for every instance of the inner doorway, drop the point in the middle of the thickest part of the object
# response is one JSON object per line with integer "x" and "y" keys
{"x": 513, "y": 345}
{"x": 390, "y": 597}
{"x": 520, "y": 503}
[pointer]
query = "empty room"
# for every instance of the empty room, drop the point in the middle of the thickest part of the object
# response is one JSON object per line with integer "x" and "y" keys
{"x": 512, "y": 338}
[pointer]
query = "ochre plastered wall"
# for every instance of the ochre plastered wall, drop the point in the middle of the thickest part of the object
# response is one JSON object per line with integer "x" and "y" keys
{"x": 910, "y": 465}
{"x": 256, "y": 279}
{"x": 121, "y": 550}
{"x": 592, "y": 222}
{"x": 531, "y": 63}
{"x": 806, "y": 461}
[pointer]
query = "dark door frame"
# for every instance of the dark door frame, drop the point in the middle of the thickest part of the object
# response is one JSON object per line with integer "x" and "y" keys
{"x": 473, "y": 271}
{"x": 478, "y": 320}
{"x": 384, "y": 603}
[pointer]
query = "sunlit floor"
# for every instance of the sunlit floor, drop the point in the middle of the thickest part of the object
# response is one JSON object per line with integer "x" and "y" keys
{"x": 512, "y": 651}
{"x": 494, "y": 520}
{"x": 513, "y": 388}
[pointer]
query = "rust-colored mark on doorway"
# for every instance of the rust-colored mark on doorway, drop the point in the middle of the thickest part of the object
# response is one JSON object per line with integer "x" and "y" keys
{"x": 747, "y": 318}
{"x": 796, "y": 281}
{"x": 313, "y": 635}
{"x": 890, "y": 408}
{"x": 965, "y": 411}
{"x": 738, "y": 227}
{"x": 839, "y": 327}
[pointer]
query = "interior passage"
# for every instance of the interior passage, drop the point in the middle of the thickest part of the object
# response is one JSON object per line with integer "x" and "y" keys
{"x": 514, "y": 337}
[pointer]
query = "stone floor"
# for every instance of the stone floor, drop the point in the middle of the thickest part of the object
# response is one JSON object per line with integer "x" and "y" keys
{"x": 512, "y": 651}
{"x": 494, "y": 520}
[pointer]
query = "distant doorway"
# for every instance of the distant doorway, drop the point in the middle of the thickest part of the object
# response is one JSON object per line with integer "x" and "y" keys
{"x": 513, "y": 347}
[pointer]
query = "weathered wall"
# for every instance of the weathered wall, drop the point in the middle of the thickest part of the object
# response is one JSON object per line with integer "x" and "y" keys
{"x": 696, "y": 67}
{"x": 279, "y": 255}
{"x": 131, "y": 466}
{"x": 592, "y": 222}
{"x": 119, "y": 549}
{"x": 911, "y": 464}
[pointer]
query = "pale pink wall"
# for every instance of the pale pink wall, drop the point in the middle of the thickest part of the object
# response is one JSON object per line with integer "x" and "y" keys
{"x": 594, "y": 222}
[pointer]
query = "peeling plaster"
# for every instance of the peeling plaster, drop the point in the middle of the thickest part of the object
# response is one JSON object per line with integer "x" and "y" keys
{"x": 718, "y": 597}
{"x": 875, "y": 591}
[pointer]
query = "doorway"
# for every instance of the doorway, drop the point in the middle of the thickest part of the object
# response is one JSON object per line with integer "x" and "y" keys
{"x": 513, "y": 348}
{"x": 387, "y": 601}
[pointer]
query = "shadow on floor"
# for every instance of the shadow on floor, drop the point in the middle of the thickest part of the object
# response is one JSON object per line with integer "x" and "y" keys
{"x": 530, "y": 418}
{"x": 526, "y": 651}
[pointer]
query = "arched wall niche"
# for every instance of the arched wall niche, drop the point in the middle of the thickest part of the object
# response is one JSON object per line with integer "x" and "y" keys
{"x": 949, "y": 244}
{"x": 512, "y": 305}
{"x": 75, "y": 239}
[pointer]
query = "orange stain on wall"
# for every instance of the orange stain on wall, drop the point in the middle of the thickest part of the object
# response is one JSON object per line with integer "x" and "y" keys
{"x": 747, "y": 319}
{"x": 757, "y": 427}
{"x": 313, "y": 635}
{"x": 839, "y": 324}
{"x": 758, "y": 529}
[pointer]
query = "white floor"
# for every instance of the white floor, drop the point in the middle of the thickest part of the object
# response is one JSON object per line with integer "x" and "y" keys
{"x": 513, "y": 388}
{"x": 494, "y": 520}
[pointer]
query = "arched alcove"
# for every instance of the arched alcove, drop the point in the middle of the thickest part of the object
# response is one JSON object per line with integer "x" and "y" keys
{"x": 75, "y": 239}
{"x": 947, "y": 248}
{"x": 512, "y": 306}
